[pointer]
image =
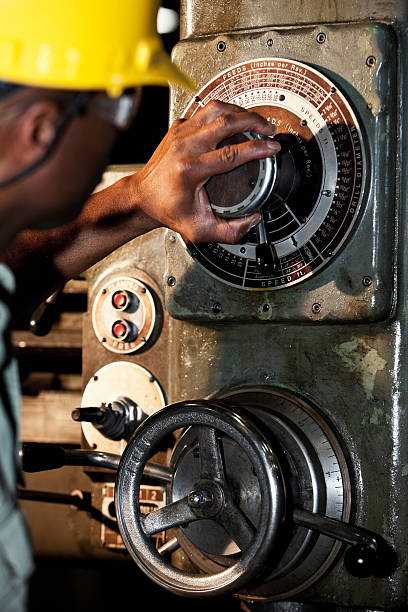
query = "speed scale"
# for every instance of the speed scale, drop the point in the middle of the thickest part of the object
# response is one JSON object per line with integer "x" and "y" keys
{"x": 317, "y": 184}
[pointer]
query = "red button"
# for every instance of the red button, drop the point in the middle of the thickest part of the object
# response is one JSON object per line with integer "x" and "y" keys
{"x": 119, "y": 299}
{"x": 119, "y": 330}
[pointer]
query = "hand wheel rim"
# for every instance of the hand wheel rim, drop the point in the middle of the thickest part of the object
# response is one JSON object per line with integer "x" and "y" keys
{"x": 143, "y": 444}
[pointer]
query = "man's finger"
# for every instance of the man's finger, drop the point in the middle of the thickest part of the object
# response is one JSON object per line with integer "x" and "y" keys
{"x": 212, "y": 110}
{"x": 228, "y": 231}
{"x": 230, "y": 124}
{"x": 231, "y": 156}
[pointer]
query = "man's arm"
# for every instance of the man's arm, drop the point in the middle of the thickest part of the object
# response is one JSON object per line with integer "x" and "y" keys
{"x": 168, "y": 192}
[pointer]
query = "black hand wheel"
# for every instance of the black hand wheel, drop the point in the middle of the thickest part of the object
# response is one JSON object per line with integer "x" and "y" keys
{"x": 210, "y": 498}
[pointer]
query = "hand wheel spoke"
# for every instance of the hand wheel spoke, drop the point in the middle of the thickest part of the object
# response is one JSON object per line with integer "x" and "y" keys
{"x": 167, "y": 517}
{"x": 236, "y": 524}
{"x": 210, "y": 455}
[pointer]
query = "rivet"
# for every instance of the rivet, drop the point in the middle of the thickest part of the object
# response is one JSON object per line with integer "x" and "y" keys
{"x": 367, "y": 281}
{"x": 371, "y": 61}
{"x": 221, "y": 46}
{"x": 171, "y": 281}
{"x": 216, "y": 307}
{"x": 269, "y": 42}
{"x": 321, "y": 38}
{"x": 316, "y": 308}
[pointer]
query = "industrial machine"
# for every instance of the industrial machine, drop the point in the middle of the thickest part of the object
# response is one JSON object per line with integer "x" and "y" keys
{"x": 243, "y": 417}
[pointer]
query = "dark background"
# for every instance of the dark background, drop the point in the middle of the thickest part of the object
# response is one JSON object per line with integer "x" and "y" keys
{"x": 137, "y": 144}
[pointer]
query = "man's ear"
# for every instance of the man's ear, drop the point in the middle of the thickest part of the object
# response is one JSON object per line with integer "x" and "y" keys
{"x": 35, "y": 129}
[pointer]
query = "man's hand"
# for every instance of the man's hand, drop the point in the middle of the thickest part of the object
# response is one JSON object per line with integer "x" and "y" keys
{"x": 169, "y": 191}
{"x": 170, "y": 188}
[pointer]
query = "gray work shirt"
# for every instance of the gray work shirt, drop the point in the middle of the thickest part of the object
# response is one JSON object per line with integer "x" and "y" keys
{"x": 16, "y": 562}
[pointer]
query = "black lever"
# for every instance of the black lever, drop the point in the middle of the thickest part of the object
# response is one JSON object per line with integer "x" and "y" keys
{"x": 368, "y": 555}
{"x": 116, "y": 421}
{"x": 44, "y": 316}
{"x": 38, "y": 457}
{"x": 265, "y": 253}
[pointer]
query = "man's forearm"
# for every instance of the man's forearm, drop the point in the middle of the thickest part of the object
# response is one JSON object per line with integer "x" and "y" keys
{"x": 45, "y": 260}
{"x": 169, "y": 191}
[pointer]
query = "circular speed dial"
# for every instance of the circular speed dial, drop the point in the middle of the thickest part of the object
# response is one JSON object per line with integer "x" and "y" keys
{"x": 320, "y": 173}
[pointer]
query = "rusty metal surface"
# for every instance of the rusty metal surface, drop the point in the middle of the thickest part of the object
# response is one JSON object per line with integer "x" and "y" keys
{"x": 226, "y": 15}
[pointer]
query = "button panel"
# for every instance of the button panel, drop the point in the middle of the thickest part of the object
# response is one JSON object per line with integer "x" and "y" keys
{"x": 124, "y": 315}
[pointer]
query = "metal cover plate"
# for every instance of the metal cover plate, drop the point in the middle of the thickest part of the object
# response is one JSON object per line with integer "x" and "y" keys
{"x": 358, "y": 284}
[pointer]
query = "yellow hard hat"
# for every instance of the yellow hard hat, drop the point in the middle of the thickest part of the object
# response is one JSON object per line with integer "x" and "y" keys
{"x": 84, "y": 44}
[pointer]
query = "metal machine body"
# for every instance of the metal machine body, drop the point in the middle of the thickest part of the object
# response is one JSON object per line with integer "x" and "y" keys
{"x": 314, "y": 343}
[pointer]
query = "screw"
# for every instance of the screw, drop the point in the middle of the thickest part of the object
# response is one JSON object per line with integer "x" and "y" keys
{"x": 281, "y": 97}
{"x": 103, "y": 339}
{"x": 303, "y": 122}
{"x": 333, "y": 90}
{"x": 316, "y": 308}
{"x": 252, "y": 182}
{"x": 242, "y": 250}
{"x": 171, "y": 281}
{"x": 143, "y": 290}
{"x": 194, "y": 499}
{"x": 197, "y": 99}
{"x": 367, "y": 281}
{"x": 95, "y": 378}
{"x": 321, "y": 38}
{"x": 265, "y": 307}
{"x": 216, "y": 308}
{"x": 329, "y": 253}
{"x": 172, "y": 238}
{"x": 269, "y": 42}
{"x": 371, "y": 61}
{"x": 221, "y": 46}
{"x": 326, "y": 192}
{"x": 152, "y": 379}
{"x": 200, "y": 498}
{"x": 103, "y": 291}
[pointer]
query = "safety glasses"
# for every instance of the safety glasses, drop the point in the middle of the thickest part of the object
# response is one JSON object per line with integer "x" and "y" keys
{"x": 120, "y": 111}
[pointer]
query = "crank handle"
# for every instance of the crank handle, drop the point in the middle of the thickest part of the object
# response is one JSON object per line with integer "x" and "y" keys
{"x": 368, "y": 555}
{"x": 37, "y": 457}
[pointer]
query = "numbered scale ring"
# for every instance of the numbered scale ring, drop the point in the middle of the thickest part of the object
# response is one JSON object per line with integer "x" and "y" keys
{"x": 318, "y": 182}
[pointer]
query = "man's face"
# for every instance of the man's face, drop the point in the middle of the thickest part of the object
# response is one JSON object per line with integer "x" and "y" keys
{"x": 54, "y": 193}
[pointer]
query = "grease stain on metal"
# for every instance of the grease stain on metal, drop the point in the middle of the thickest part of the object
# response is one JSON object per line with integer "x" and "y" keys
{"x": 364, "y": 361}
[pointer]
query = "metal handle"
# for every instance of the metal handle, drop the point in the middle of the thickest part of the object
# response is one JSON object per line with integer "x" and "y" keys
{"x": 369, "y": 554}
{"x": 38, "y": 457}
{"x": 266, "y": 256}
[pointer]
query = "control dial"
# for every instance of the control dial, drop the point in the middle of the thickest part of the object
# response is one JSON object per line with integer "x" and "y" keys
{"x": 318, "y": 181}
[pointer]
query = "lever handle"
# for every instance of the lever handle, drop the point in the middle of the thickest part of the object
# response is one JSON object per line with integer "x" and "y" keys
{"x": 368, "y": 555}
{"x": 38, "y": 457}
{"x": 44, "y": 316}
{"x": 265, "y": 253}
